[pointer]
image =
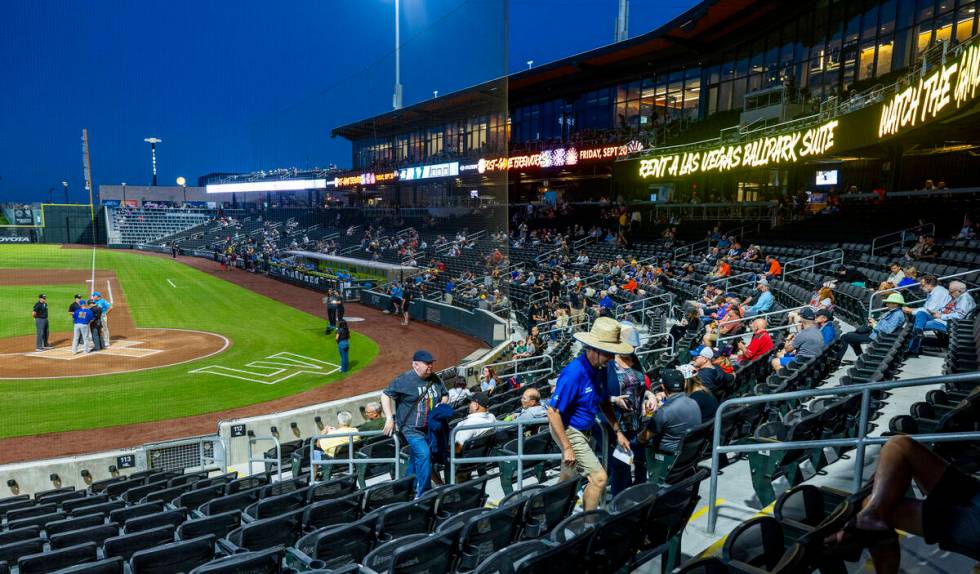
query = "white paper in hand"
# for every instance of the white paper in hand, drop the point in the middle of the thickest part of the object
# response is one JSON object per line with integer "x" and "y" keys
{"x": 624, "y": 456}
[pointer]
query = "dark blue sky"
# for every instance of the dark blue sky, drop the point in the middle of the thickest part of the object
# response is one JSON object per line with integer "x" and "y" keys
{"x": 251, "y": 84}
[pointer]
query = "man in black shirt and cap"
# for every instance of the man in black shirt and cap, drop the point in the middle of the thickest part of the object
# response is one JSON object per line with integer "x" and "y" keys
{"x": 407, "y": 402}
{"x": 75, "y": 306}
{"x": 41, "y": 323}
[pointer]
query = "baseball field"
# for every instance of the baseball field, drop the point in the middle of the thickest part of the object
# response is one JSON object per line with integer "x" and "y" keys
{"x": 183, "y": 343}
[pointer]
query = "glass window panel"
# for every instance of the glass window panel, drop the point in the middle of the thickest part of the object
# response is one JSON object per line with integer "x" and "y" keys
{"x": 945, "y": 6}
{"x": 886, "y": 46}
{"x": 712, "y": 106}
{"x": 923, "y": 37}
{"x": 738, "y": 93}
{"x": 944, "y": 27}
{"x": 926, "y": 10}
{"x": 692, "y": 96}
{"x": 964, "y": 22}
{"x": 886, "y": 17}
{"x": 725, "y": 96}
{"x": 866, "y": 60}
{"x": 869, "y": 24}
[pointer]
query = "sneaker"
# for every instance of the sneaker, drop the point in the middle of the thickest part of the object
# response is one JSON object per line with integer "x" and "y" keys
{"x": 38, "y": 350}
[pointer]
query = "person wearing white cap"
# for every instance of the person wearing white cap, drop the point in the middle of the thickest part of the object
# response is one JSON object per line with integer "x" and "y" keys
{"x": 579, "y": 395}
{"x": 713, "y": 378}
{"x": 695, "y": 389}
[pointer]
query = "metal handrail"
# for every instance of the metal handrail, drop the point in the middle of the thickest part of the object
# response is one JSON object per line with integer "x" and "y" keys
{"x": 351, "y": 461}
{"x": 838, "y": 258}
{"x": 512, "y": 362}
{"x": 670, "y": 348}
{"x": 749, "y": 333}
{"x": 901, "y": 235}
{"x": 278, "y": 460}
{"x": 669, "y": 297}
{"x": 519, "y": 457}
{"x": 871, "y": 299}
{"x": 860, "y": 441}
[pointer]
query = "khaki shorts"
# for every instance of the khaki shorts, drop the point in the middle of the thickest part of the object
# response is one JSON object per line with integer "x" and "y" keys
{"x": 586, "y": 461}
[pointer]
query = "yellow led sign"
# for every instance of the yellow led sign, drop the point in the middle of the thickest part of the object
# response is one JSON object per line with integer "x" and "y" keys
{"x": 956, "y": 83}
{"x": 761, "y": 152}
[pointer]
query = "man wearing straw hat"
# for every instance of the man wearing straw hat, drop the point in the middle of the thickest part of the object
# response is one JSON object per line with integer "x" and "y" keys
{"x": 578, "y": 397}
{"x": 892, "y": 320}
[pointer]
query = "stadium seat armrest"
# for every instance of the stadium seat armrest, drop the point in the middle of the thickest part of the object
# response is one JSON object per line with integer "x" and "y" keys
{"x": 298, "y": 559}
{"x": 226, "y": 546}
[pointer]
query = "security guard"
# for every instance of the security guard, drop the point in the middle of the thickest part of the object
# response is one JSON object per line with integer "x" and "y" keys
{"x": 41, "y": 323}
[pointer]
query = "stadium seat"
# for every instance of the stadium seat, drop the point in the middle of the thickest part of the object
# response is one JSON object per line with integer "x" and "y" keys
{"x": 108, "y": 566}
{"x": 261, "y": 562}
{"x": 125, "y": 545}
{"x": 546, "y": 507}
{"x": 506, "y": 560}
{"x": 217, "y": 524}
{"x": 264, "y": 533}
{"x": 165, "y": 518}
{"x": 332, "y": 547}
{"x": 181, "y": 556}
{"x": 53, "y": 560}
{"x": 97, "y": 534}
{"x": 332, "y": 512}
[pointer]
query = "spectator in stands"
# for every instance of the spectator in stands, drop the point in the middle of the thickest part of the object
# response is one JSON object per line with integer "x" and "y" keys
{"x": 850, "y": 275}
{"x": 763, "y": 302}
{"x": 959, "y": 305}
{"x": 531, "y": 407}
{"x": 924, "y": 249}
{"x": 949, "y": 515}
{"x": 606, "y": 304}
{"x": 479, "y": 403}
{"x": 488, "y": 381}
{"x": 937, "y": 297}
{"x": 758, "y": 346}
{"x": 627, "y": 388}
{"x": 578, "y": 397}
{"x": 674, "y": 414}
{"x": 825, "y": 321}
{"x": 459, "y": 392}
{"x": 330, "y": 444}
{"x": 712, "y": 377}
{"x": 406, "y": 403}
{"x": 892, "y": 320}
{"x": 805, "y": 344}
{"x": 695, "y": 389}
{"x": 773, "y": 269}
{"x": 896, "y": 274}
{"x": 373, "y": 420}
{"x": 911, "y": 277}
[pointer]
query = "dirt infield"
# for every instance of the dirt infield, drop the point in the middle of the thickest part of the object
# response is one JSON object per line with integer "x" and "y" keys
{"x": 132, "y": 349}
{"x": 395, "y": 341}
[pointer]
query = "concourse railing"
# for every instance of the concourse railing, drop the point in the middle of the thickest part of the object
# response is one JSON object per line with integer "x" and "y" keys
{"x": 252, "y": 439}
{"x": 829, "y": 256}
{"x": 748, "y": 320}
{"x": 351, "y": 461}
{"x": 901, "y": 236}
{"x": 532, "y": 359}
{"x": 859, "y": 442}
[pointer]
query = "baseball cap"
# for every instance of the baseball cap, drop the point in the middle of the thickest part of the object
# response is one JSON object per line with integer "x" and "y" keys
{"x": 824, "y": 313}
{"x": 481, "y": 399}
{"x": 672, "y": 380}
{"x": 91, "y": 301}
{"x": 77, "y": 296}
{"x": 707, "y": 353}
{"x": 423, "y": 357}
{"x": 96, "y": 294}
{"x": 42, "y": 296}
{"x": 807, "y": 314}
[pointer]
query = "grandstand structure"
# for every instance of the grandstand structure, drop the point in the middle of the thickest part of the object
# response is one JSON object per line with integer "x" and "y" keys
{"x": 784, "y": 462}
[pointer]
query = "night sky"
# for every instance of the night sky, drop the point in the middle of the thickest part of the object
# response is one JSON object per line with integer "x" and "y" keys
{"x": 252, "y": 84}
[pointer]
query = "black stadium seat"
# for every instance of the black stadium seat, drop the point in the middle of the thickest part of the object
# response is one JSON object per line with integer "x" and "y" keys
{"x": 108, "y": 566}
{"x": 53, "y": 560}
{"x": 126, "y": 545}
{"x": 217, "y": 524}
{"x": 261, "y": 562}
{"x": 172, "y": 558}
{"x": 97, "y": 534}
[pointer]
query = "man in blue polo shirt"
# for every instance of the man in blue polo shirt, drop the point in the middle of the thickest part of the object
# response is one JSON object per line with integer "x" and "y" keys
{"x": 578, "y": 397}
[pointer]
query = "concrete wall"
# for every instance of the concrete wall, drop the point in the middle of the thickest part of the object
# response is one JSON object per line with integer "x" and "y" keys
{"x": 162, "y": 193}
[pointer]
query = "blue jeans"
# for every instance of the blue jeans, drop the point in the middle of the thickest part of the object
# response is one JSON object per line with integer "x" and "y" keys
{"x": 923, "y": 322}
{"x": 344, "y": 348}
{"x": 419, "y": 462}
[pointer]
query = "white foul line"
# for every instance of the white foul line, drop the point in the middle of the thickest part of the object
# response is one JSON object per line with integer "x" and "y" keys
{"x": 108, "y": 284}
{"x": 171, "y": 283}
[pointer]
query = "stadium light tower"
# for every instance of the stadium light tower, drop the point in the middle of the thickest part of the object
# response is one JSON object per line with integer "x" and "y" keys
{"x": 396, "y": 99}
{"x": 153, "y": 155}
{"x": 183, "y": 185}
{"x": 65, "y": 185}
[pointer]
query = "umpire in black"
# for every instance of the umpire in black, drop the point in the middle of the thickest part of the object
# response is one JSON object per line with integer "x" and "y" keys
{"x": 41, "y": 323}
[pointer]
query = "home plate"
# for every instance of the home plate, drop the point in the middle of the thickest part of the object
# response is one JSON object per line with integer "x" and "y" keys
{"x": 118, "y": 349}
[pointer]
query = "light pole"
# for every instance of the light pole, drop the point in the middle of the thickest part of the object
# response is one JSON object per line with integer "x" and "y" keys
{"x": 183, "y": 185}
{"x": 153, "y": 155}
{"x": 124, "y": 194}
{"x": 65, "y": 185}
{"x": 50, "y": 195}
{"x": 396, "y": 99}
